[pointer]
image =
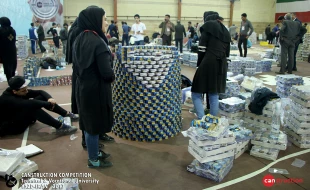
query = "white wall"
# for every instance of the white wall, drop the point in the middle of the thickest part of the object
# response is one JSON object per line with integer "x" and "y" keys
{"x": 74, "y": 7}
{"x": 257, "y": 10}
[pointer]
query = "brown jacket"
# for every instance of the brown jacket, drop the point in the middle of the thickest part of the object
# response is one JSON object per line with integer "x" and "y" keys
{"x": 163, "y": 28}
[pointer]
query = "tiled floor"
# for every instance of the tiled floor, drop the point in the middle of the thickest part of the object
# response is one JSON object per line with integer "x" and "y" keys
{"x": 137, "y": 165}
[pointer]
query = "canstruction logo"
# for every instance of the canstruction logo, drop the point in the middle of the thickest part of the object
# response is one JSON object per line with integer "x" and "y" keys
{"x": 44, "y": 9}
{"x": 269, "y": 180}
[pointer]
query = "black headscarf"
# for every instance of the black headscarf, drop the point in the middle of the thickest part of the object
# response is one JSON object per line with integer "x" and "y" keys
{"x": 73, "y": 33}
{"x": 5, "y": 22}
{"x": 89, "y": 44}
{"x": 6, "y": 28}
{"x": 5, "y": 32}
{"x": 214, "y": 27}
{"x": 207, "y": 14}
{"x": 91, "y": 19}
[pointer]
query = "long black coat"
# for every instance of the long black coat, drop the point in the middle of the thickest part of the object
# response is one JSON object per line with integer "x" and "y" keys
{"x": 93, "y": 84}
{"x": 212, "y": 71}
{"x": 8, "y": 53}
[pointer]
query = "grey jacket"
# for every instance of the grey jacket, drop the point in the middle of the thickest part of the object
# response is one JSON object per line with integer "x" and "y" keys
{"x": 290, "y": 30}
{"x": 179, "y": 31}
{"x": 247, "y": 26}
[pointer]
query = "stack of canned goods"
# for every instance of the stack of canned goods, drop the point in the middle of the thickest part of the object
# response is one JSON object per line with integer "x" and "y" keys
{"x": 31, "y": 67}
{"x": 146, "y": 93}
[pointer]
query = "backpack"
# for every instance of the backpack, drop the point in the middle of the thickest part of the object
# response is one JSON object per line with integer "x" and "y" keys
{"x": 49, "y": 63}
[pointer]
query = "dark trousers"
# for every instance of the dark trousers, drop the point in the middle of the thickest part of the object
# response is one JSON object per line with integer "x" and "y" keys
{"x": 42, "y": 48}
{"x": 179, "y": 42}
{"x": 45, "y": 118}
{"x": 125, "y": 39}
{"x": 9, "y": 69}
{"x": 23, "y": 120}
{"x": 207, "y": 100}
{"x": 287, "y": 49}
{"x": 56, "y": 41}
{"x": 33, "y": 46}
{"x": 166, "y": 40}
{"x": 74, "y": 108}
{"x": 295, "y": 52}
{"x": 243, "y": 40}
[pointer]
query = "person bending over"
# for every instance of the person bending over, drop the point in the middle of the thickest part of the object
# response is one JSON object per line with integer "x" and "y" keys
{"x": 21, "y": 107}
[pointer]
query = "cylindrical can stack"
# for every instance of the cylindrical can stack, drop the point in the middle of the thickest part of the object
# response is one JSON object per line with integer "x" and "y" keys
{"x": 146, "y": 93}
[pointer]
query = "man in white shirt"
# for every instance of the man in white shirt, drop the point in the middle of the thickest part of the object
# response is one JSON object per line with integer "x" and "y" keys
{"x": 138, "y": 30}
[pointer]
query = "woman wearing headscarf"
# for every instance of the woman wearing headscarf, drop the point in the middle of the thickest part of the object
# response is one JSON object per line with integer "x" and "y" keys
{"x": 73, "y": 33}
{"x": 92, "y": 62}
{"x": 8, "y": 53}
{"x": 210, "y": 77}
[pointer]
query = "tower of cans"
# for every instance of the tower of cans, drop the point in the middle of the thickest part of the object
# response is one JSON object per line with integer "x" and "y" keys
{"x": 298, "y": 120}
{"x": 31, "y": 67}
{"x": 285, "y": 83}
{"x": 304, "y": 48}
{"x": 146, "y": 93}
{"x": 22, "y": 48}
{"x": 250, "y": 68}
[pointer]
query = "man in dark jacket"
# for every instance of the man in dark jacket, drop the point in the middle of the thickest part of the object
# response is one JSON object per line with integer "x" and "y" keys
{"x": 167, "y": 28}
{"x": 64, "y": 38}
{"x": 22, "y": 107}
{"x": 55, "y": 34}
{"x": 191, "y": 29}
{"x": 267, "y": 33}
{"x": 179, "y": 35}
{"x": 290, "y": 34}
{"x": 41, "y": 36}
{"x": 295, "y": 19}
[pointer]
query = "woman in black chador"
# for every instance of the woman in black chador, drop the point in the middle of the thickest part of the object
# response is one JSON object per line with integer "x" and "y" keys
{"x": 92, "y": 61}
{"x": 210, "y": 77}
{"x": 8, "y": 53}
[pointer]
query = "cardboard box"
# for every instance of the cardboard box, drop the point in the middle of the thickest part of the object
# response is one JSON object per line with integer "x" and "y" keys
{"x": 262, "y": 155}
{"x": 297, "y": 143}
{"x": 290, "y": 131}
{"x": 211, "y": 158}
{"x": 269, "y": 145}
{"x": 203, "y": 153}
{"x": 207, "y": 143}
{"x": 260, "y": 117}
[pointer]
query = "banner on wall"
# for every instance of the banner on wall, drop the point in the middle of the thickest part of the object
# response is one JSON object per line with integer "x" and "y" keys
{"x": 23, "y": 12}
{"x": 300, "y": 7}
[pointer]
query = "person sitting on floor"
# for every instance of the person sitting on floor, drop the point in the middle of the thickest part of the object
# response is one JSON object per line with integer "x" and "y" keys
{"x": 21, "y": 107}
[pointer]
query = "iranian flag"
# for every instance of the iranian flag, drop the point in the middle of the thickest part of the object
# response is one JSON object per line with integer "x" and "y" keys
{"x": 300, "y": 7}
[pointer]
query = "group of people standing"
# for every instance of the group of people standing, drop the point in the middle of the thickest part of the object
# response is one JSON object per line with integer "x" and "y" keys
{"x": 290, "y": 36}
{"x": 134, "y": 35}
{"x": 37, "y": 36}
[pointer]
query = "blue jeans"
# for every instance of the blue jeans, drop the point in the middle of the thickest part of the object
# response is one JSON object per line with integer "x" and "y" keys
{"x": 189, "y": 44}
{"x": 125, "y": 39}
{"x": 198, "y": 103}
{"x": 33, "y": 46}
{"x": 92, "y": 145}
{"x": 141, "y": 42}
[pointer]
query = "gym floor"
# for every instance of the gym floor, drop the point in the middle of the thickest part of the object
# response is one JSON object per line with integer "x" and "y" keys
{"x": 158, "y": 165}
